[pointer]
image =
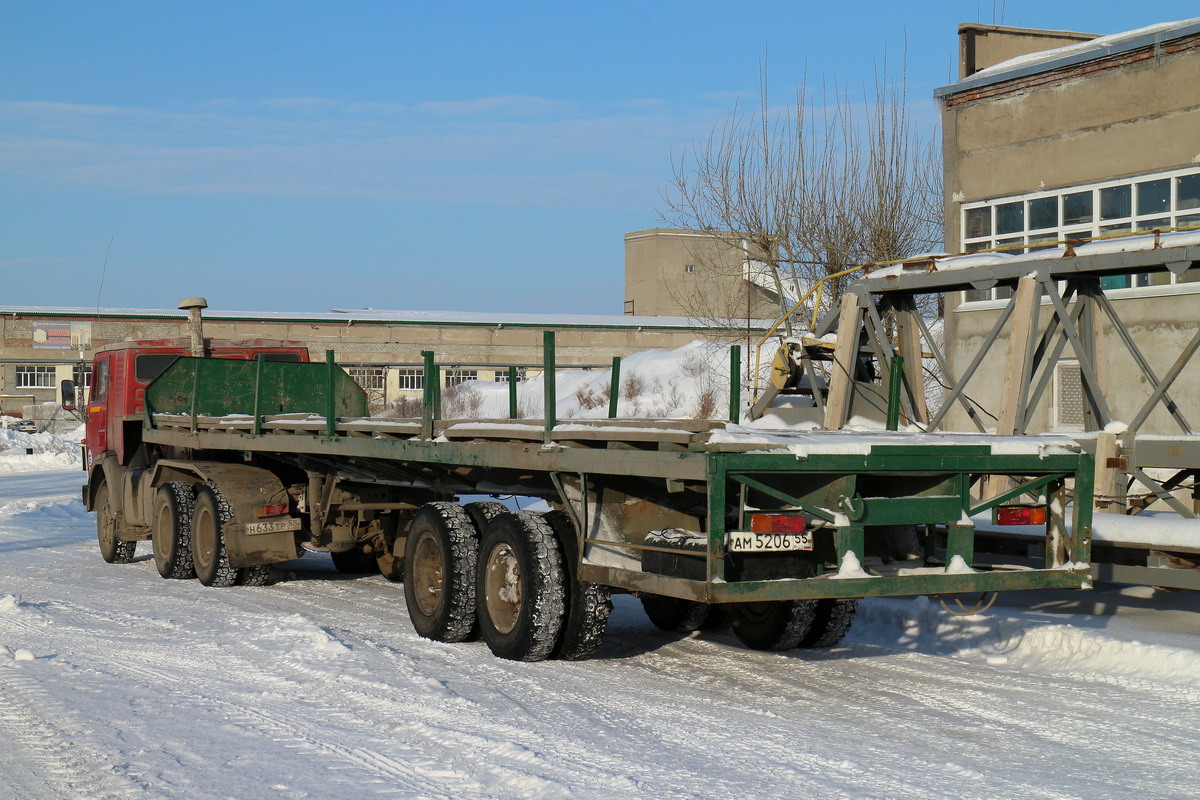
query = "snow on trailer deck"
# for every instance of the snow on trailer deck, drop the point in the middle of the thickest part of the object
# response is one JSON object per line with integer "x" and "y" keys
{"x": 117, "y": 684}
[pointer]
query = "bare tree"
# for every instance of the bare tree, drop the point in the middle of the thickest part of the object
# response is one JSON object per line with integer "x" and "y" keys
{"x": 809, "y": 191}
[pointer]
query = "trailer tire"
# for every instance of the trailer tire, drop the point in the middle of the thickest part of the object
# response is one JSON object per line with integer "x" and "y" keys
{"x": 520, "y": 587}
{"x": 482, "y": 512}
{"x": 774, "y": 624}
{"x": 674, "y": 615}
{"x": 831, "y": 622}
{"x": 258, "y": 575}
{"x": 440, "y": 558}
{"x": 209, "y": 516}
{"x": 171, "y": 530}
{"x": 108, "y": 528}
{"x": 587, "y": 604}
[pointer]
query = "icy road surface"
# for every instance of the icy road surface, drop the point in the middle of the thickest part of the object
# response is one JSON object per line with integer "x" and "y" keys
{"x": 115, "y": 683}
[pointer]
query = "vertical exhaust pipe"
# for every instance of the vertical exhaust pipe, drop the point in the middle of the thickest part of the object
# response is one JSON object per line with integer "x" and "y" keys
{"x": 193, "y": 305}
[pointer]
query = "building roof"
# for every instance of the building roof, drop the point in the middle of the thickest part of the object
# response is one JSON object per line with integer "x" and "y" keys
{"x": 1058, "y": 57}
{"x": 384, "y": 317}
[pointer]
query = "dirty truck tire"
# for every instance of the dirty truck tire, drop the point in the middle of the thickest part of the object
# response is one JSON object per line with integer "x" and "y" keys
{"x": 258, "y": 575}
{"x": 831, "y": 623}
{"x": 520, "y": 587}
{"x": 171, "y": 530}
{"x": 772, "y": 625}
{"x": 482, "y": 512}
{"x": 587, "y": 604}
{"x": 209, "y": 516}
{"x": 674, "y": 615}
{"x": 440, "y": 558}
{"x": 108, "y": 524}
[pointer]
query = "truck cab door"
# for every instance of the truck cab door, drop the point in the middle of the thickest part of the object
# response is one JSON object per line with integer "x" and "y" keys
{"x": 97, "y": 410}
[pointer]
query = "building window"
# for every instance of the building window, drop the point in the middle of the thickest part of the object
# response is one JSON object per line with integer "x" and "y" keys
{"x": 689, "y": 268}
{"x": 1036, "y": 221}
{"x": 456, "y": 376}
{"x": 501, "y": 376}
{"x": 411, "y": 378}
{"x": 81, "y": 374}
{"x": 35, "y": 377}
{"x": 369, "y": 378}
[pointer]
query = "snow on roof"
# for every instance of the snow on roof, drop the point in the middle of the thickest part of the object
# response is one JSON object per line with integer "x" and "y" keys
{"x": 1099, "y": 47}
{"x": 371, "y": 315}
{"x": 1119, "y": 244}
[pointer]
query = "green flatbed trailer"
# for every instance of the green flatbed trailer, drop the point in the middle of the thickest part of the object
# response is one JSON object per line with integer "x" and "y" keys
{"x": 773, "y": 527}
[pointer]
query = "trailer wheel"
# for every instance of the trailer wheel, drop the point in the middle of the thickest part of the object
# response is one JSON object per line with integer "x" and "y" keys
{"x": 440, "y": 558}
{"x": 108, "y": 527}
{"x": 831, "y": 623}
{"x": 520, "y": 587}
{"x": 674, "y": 615}
{"x": 482, "y": 512}
{"x": 587, "y": 604}
{"x": 772, "y": 625}
{"x": 171, "y": 532}
{"x": 258, "y": 575}
{"x": 210, "y": 515}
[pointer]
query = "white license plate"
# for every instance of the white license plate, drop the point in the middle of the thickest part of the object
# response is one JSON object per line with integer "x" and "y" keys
{"x": 750, "y": 542}
{"x": 273, "y": 526}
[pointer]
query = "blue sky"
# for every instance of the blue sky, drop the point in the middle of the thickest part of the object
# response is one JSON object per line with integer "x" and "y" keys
{"x": 462, "y": 156}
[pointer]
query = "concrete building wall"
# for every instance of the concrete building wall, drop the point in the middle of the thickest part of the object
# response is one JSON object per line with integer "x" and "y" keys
{"x": 691, "y": 274}
{"x": 981, "y": 46}
{"x": 1125, "y": 112}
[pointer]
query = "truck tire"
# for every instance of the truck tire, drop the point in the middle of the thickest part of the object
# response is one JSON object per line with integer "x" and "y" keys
{"x": 674, "y": 615}
{"x": 587, "y": 604}
{"x": 355, "y": 562}
{"x": 774, "y": 624}
{"x": 108, "y": 527}
{"x": 482, "y": 512}
{"x": 209, "y": 516}
{"x": 440, "y": 558}
{"x": 831, "y": 623}
{"x": 521, "y": 587}
{"x": 171, "y": 530}
{"x": 258, "y": 575}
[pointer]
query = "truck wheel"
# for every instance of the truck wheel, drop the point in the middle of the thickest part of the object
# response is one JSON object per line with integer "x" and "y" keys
{"x": 171, "y": 533}
{"x": 482, "y": 512}
{"x": 258, "y": 575}
{"x": 587, "y": 604}
{"x": 831, "y": 623}
{"x": 440, "y": 558}
{"x": 520, "y": 587}
{"x": 772, "y": 625}
{"x": 209, "y": 517}
{"x": 108, "y": 526}
{"x": 674, "y": 615}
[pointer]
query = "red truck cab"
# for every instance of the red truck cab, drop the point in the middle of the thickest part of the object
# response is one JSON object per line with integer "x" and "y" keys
{"x": 121, "y": 372}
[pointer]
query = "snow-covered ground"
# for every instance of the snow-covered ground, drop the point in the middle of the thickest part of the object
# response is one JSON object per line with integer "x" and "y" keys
{"x": 115, "y": 683}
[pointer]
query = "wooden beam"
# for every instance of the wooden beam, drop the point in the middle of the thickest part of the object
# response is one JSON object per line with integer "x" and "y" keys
{"x": 841, "y": 378}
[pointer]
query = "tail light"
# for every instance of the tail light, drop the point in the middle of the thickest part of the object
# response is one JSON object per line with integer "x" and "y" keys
{"x": 778, "y": 523}
{"x": 271, "y": 511}
{"x": 1020, "y": 515}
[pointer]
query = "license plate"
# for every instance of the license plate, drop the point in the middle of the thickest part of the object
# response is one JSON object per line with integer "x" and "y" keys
{"x": 750, "y": 542}
{"x": 273, "y": 526}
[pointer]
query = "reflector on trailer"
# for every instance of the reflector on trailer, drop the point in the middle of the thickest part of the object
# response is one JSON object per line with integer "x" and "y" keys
{"x": 271, "y": 511}
{"x": 778, "y": 523}
{"x": 1020, "y": 515}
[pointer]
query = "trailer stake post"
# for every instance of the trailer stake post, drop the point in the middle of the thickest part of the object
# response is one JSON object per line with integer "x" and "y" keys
{"x": 258, "y": 368}
{"x": 430, "y": 401}
{"x": 548, "y": 380}
{"x": 512, "y": 392}
{"x": 894, "y": 385}
{"x": 330, "y": 422}
{"x": 614, "y": 388}
{"x": 735, "y": 383}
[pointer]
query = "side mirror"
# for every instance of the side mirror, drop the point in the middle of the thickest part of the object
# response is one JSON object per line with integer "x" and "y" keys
{"x": 68, "y": 395}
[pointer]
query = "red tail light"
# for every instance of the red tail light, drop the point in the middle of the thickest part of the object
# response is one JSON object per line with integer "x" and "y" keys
{"x": 1021, "y": 515}
{"x": 778, "y": 523}
{"x": 271, "y": 511}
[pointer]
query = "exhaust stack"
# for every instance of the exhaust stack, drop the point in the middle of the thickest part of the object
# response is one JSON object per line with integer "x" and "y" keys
{"x": 193, "y": 305}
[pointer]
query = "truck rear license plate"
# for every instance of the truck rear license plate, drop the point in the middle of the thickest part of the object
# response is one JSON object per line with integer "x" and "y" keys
{"x": 750, "y": 542}
{"x": 273, "y": 526}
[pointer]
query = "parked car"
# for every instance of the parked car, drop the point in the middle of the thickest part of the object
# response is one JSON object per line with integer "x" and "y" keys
{"x": 27, "y": 426}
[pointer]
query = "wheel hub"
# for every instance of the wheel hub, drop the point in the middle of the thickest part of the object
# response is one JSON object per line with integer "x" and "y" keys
{"x": 503, "y": 588}
{"x": 428, "y": 575}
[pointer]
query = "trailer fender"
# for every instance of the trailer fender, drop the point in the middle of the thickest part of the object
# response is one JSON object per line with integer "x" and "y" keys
{"x": 245, "y": 488}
